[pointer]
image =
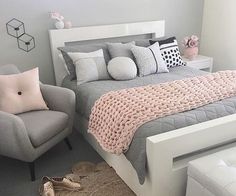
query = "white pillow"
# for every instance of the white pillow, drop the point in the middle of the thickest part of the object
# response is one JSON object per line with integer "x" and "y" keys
{"x": 149, "y": 60}
{"x": 122, "y": 68}
{"x": 89, "y": 66}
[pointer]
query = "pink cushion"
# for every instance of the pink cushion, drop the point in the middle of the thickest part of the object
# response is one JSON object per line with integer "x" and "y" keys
{"x": 21, "y": 92}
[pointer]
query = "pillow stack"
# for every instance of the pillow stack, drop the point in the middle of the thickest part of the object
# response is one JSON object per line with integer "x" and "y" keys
{"x": 89, "y": 66}
{"x": 121, "y": 61}
{"x": 122, "y": 65}
{"x": 82, "y": 49}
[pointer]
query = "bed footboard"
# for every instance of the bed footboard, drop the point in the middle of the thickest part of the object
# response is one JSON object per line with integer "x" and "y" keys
{"x": 168, "y": 154}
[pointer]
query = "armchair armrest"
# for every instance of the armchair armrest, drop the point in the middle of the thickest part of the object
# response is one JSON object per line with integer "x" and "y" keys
{"x": 60, "y": 99}
{"x": 14, "y": 140}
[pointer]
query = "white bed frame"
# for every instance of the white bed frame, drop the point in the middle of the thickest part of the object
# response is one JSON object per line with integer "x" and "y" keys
{"x": 167, "y": 154}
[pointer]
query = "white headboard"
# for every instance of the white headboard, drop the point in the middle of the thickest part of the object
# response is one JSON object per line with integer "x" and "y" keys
{"x": 58, "y": 38}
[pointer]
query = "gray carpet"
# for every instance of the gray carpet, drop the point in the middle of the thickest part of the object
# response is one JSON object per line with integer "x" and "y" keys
{"x": 15, "y": 178}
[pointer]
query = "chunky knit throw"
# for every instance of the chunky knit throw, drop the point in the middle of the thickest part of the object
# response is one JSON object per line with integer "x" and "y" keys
{"x": 117, "y": 115}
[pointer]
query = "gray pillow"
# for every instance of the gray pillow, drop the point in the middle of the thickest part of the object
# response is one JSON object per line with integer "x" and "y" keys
{"x": 122, "y": 68}
{"x": 146, "y": 42}
{"x": 120, "y": 50}
{"x": 149, "y": 60}
{"x": 142, "y": 42}
{"x": 89, "y": 66}
{"x": 81, "y": 48}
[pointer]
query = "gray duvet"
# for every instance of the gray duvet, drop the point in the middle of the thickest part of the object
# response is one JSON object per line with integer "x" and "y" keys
{"x": 87, "y": 94}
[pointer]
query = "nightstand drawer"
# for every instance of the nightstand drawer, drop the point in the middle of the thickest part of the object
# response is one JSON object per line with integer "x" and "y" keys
{"x": 200, "y": 62}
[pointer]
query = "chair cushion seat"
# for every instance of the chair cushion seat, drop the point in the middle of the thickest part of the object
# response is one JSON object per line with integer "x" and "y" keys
{"x": 44, "y": 125}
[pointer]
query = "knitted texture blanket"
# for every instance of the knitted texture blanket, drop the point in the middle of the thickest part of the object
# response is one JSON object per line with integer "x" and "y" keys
{"x": 117, "y": 115}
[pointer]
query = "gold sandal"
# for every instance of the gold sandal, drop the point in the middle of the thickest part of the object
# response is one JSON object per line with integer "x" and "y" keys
{"x": 60, "y": 183}
{"x": 46, "y": 188}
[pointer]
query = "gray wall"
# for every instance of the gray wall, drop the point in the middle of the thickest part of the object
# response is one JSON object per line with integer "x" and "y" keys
{"x": 218, "y": 35}
{"x": 183, "y": 17}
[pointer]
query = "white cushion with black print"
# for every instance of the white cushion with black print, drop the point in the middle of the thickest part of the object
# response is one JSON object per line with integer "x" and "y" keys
{"x": 149, "y": 60}
{"x": 170, "y": 52}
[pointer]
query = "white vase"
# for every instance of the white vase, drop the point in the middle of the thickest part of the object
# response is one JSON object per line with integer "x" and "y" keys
{"x": 59, "y": 25}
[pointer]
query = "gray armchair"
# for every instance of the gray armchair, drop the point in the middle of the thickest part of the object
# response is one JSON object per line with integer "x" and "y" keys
{"x": 28, "y": 135}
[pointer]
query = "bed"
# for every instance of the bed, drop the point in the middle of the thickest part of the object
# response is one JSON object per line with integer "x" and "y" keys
{"x": 159, "y": 156}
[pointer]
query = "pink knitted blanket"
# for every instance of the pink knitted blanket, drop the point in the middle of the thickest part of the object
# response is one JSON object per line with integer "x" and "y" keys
{"x": 118, "y": 114}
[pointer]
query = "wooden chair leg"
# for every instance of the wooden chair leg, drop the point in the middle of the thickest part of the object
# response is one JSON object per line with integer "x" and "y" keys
{"x": 32, "y": 171}
{"x": 68, "y": 143}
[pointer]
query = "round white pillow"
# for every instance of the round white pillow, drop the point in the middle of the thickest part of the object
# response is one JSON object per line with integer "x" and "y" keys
{"x": 122, "y": 68}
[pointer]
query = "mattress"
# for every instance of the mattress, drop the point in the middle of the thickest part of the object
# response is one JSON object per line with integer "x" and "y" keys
{"x": 88, "y": 93}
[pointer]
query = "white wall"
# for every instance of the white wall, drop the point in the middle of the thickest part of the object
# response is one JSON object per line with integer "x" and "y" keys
{"x": 219, "y": 33}
{"x": 182, "y": 17}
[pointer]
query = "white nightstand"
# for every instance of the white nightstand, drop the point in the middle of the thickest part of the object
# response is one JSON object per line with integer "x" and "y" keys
{"x": 200, "y": 62}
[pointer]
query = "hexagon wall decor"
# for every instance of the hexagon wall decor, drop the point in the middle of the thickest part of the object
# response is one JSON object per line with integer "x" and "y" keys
{"x": 16, "y": 29}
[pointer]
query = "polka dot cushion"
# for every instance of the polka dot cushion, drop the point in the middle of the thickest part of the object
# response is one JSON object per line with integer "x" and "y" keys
{"x": 170, "y": 52}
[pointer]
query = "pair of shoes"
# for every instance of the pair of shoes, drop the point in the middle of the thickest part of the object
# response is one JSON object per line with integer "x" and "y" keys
{"x": 60, "y": 183}
{"x": 46, "y": 189}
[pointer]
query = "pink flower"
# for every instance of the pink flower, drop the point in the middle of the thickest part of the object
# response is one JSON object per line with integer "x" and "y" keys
{"x": 192, "y": 43}
{"x": 56, "y": 16}
{"x": 194, "y": 38}
{"x": 185, "y": 41}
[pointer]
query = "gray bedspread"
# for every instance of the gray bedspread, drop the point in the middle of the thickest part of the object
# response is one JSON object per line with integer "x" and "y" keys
{"x": 88, "y": 93}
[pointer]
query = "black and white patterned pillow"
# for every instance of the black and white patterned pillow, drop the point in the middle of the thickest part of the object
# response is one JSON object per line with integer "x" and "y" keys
{"x": 170, "y": 52}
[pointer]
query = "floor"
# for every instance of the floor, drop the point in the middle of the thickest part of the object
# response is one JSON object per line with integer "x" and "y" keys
{"x": 15, "y": 179}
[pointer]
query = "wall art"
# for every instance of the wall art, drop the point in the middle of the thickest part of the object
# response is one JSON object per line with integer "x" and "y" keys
{"x": 16, "y": 29}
